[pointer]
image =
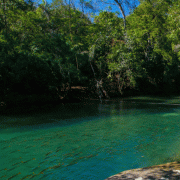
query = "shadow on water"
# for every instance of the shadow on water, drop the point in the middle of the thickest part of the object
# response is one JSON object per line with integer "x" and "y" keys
{"x": 71, "y": 113}
{"x": 62, "y": 114}
{"x": 155, "y": 99}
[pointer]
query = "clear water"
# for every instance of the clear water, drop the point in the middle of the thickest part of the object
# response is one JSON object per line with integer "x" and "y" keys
{"x": 88, "y": 141}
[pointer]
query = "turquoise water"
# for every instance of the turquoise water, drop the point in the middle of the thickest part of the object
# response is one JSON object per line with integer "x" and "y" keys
{"x": 88, "y": 140}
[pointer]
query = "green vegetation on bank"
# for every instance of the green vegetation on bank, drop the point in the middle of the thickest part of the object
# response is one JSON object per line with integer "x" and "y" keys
{"x": 45, "y": 49}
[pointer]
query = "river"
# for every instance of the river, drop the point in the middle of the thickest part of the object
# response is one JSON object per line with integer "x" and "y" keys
{"x": 88, "y": 140}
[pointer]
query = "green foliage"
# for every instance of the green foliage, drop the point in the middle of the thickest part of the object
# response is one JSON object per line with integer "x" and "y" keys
{"x": 148, "y": 27}
{"x": 56, "y": 45}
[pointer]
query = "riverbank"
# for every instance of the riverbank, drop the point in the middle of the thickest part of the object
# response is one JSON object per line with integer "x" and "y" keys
{"x": 169, "y": 171}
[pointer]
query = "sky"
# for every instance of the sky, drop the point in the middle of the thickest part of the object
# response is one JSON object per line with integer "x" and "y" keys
{"x": 105, "y": 5}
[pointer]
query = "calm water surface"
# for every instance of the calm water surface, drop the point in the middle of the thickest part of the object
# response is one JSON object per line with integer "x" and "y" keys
{"x": 88, "y": 140}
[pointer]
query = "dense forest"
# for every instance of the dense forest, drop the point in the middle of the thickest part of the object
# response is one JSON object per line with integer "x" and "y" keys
{"x": 46, "y": 49}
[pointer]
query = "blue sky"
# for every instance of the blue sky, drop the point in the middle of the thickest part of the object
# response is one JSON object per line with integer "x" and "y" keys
{"x": 103, "y": 5}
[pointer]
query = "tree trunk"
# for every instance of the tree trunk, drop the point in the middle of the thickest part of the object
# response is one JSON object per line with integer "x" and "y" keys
{"x": 122, "y": 11}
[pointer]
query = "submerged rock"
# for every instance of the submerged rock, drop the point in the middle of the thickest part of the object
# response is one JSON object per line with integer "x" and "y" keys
{"x": 169, "y": 171}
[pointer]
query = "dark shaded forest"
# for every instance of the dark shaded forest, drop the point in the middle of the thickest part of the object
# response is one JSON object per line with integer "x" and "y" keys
{"x": 47, "y": 51}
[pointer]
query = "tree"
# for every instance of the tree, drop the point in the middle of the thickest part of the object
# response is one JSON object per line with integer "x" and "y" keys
{"x": 148, "y": 26}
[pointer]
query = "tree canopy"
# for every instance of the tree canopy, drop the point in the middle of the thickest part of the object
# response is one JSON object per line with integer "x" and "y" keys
{"x": 57, "y": 46}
